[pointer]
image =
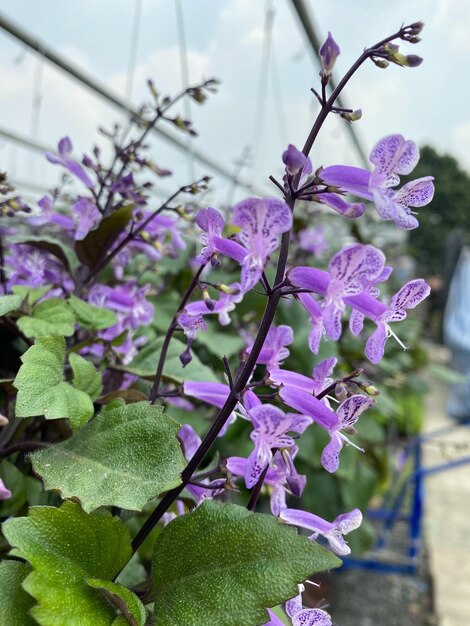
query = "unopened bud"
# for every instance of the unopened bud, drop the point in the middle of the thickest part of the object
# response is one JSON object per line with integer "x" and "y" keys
{"x": 152, "y": 88}
{"x": 210, "y": 304}
{"x": 341, "y": 391}
{"x": 369, "y": 389}
{"x": 416, "y": 27}
{"x": 329, "y": 52}
{"x": 412, "y": 60}
{"x": 186, "y": 356}
{"x": 231, "y": 291}
{"x": 382, "y": 63}
{"x": 352, "y": 117}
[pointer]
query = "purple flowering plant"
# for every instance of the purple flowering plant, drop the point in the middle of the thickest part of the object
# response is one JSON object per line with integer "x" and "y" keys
{"x": 113, "y": 508}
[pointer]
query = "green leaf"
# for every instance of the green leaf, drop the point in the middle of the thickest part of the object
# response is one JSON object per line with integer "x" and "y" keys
{"x": 31, "y": 294}
{"x": 145, "y": 363}
{"x": 85, "y": 376}
{"x": 49, "y": 317}
{"x": 15, "y": 603}
{"x": 9, "y": 303}
{"x": 15, "y": 481}
{"x": 65, "y": 547}
{"x": 99, "y": 241}
{"x": 42, "y": 389}
{"x": 125, "y": 600}
{"x": 220, "y": 343}
{"x": 224, "y": 565}
{"x": 125, "y": 456}
{"x": 92, "y": 317}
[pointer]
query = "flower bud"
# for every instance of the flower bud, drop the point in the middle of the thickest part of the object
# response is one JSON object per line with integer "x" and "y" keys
{"x": 293, "y": 159}
{"x": 210, "y": 304}
{"x": 380, "y": 63}
{"x": 329, "y": 53}
{"x": 352, "y": 117}
{"x": 186, "y": 356}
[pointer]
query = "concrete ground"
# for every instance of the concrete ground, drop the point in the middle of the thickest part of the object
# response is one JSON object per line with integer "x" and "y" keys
{"x": 447, "y": 513}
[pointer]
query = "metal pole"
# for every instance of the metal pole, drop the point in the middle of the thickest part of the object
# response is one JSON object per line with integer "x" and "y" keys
{"x": 94, "y": 85}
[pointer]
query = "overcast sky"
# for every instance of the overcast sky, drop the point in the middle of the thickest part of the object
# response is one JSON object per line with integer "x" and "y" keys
{"x": 225, "y": 40}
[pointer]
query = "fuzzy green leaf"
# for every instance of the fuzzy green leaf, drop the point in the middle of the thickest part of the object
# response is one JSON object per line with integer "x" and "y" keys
{"x": 85, "y": 376}
{"x": 15, "y": 603}
{"x": 125, "y": 456}
{"x": 42, "y": 389}
{"x": 31, "y": 294}
{"x": 125, "y": 600}
{"x": 49, "y": 317}
{"x": 9, "y": 303}
{"x": 92, "y": 317}
{"x": 234, "y": 565}
{"x": 65, "y": 547}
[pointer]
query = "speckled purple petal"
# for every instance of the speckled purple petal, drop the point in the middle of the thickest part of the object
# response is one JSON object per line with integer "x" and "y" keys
{"x": 349, "y": 411}
{"x": 190, "y": 440}
{"x": 311, "y": 617}
{"x": 410, "y": 295}
{"x": 330, "y": 454}
{"x": 384, "y": 154}
{"x": 416, "y": 193}
{"x": 375, "y": 345}
{"x": 262, "y": 220}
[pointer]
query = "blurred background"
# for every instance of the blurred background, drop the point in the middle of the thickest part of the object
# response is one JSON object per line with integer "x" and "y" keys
{"x": 71, "y": 68}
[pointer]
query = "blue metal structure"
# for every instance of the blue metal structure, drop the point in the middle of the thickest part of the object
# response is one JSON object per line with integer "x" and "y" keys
{"x": 399, "y": 521}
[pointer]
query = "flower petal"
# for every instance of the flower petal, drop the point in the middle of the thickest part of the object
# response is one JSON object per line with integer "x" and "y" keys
{"x": 330, "y": 454}
{"x": 375, "y": 345}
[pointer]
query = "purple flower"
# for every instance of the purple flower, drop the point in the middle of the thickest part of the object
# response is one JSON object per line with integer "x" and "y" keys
{"x": 305, "y": 617}
{"x": 271, "y": 426}
{"x": 49, "y": 216}
{"x": 319, "y": 380}
{"x": 348, "y": 413}
{"x": 293, "y": 159}
{"x": 345, "y": 417}
{"x": 356, "y": 320}
{"x": 312, "y": 240}
{"x": 348, "y": 272}
{"x": 34, "y": 267}
{"x": 222, "y": 307}
{"x": 63, "y": 158}
{"x": 5, "y": 493}
{"x": 212, "y": 224}
{"x": 281, "y": 477}
{"x": 392, "y": 156}
{"x": 332, "y": 531}
{"x": 216, "y": 394}
{"x": 409, "y": 296}
{"x": 274, "y": 349}
{"x": 261, "y": 220}
{"x": 329, "y": 53}
{"x": 87, "y": 217}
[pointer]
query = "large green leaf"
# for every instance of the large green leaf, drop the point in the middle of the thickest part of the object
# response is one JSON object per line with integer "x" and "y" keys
{"x": 9, "y": 303}
{"x": 15, "y": 603}
{"x": 99, "y": 241}
{"x": 92, "y": 317}
{"x": 132, "y": 609}
{"x": 145, "y": 363}
{"x": 224, "y": 565}
{"x": 42, "y": 389}
{"x": 65, "y": 548}
{"x": 49, "y": 317}
{"x": 125, "y": 456}
{"x": 31, "y": 294}
{"x": 85, "y": 376}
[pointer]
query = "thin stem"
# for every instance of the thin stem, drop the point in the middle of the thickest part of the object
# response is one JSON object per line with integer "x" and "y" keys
{"x": 228, "y": 371}
{"x": 24, "y": 447}
{"x": 169, "y": 334}
{"x": 332, "y": 387}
